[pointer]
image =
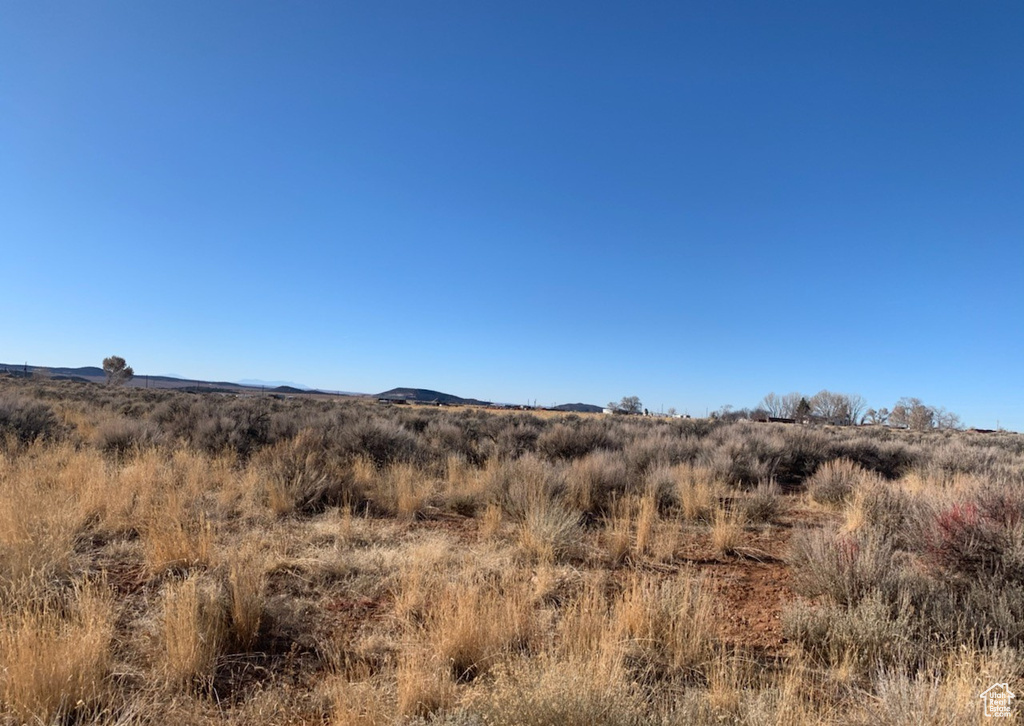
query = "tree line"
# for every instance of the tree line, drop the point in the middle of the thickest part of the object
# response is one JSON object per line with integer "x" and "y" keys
{"x": 843, "y": 409}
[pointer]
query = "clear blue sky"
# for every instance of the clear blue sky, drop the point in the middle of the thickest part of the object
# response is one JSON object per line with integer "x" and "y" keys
{"x": 695, "y": 203}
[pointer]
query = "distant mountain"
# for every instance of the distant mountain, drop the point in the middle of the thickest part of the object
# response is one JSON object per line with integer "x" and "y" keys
{"x": 578, "y": 408}
{"x": 423, "y": 395}
{"x": 93, "y": 374}
{"x": 83, "y": 372}
{"x": 256, "y": 382}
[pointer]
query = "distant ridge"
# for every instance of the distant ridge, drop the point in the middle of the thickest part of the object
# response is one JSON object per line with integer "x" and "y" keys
{"x": 424, "y": 395}
{"x": 94, "y": 374}
{"x": 257, "y": 383}
{"x": 578, "y": 408}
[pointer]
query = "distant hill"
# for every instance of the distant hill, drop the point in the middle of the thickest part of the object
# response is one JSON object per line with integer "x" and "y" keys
{"x": 257, "y": 383}
{"x": 94, "y": 374}
{"x": 578, "y": 408}
{"x": 84, "y": 372}
{"x": 423, "y": 395}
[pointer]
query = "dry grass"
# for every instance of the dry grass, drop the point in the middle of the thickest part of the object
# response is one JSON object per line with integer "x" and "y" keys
{"x": 550, "y": 532}
{"x": 698, "y": 493}
{"x": 665, "y": 626}
{"x": 266, "y": 562}
{"x": 407, "y": 490}
{"x": 568, "y": 692}
{"x": 57, "y": 658}
{"x": 727, "y": 531}
{"x": 247, "y": 583}
{"x": 490, "y": 523}
{"x": 835, "y": 481}
{"x": 618, "y": 533}
{"x": 425, "y": 686}
{"x": 358, "y": 703}
{"x": 41, "y": 515}
{"x": 192, "y": 633}
{"x": 646, "y": 523}
{"x": 176, "y": 540}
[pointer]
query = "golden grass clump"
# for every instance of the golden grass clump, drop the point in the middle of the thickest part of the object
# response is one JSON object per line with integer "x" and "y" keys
{"x": 490, "y": 522}
{"x": 40, "y": 515}
{"x": 408, "y": 490}
{"x": 630, "y": 528}
{"x": 247, "y": 581}
{"x": 176, "y": 538}
{"x": 465, "y": 485}
{"x": 56, "y": 658}
{"x": 834, "y": 482}
{"x": 550, "y": 532}
{"x": 192, "y": 633}
{"x": 474, "y": 624}
{"x": 420, "y": 571}
{"x": 425, "y": 686}
{"x": 618, "y": 533}
{"x": 666, "y": 626}
{"x": 697, "y": 491}
{"x": 646, "y": 523}
{"x": 549, "y": 690}
{"x": 303, "y": 474}
{"x": 727, "y": 531}
{"x": 593, "y": 481}
{"x": 363, "y": 702}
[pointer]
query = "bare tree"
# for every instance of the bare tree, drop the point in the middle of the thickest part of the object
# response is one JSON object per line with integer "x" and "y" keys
{"x": 628, "y": 404}
{"x": 856, "y": 405}
{"x": 840, "y": 409}
{"x": 773, "y": 405}
{"x": 833, "y": 408}
{"x": 879, "y": 416}
{"x": 947, "y": 419}
{"x": 790, "y": 403}
{"x": 912, "y": 413}
{"x": 922, "y": 418}
{"x": 780, "y": 406}
{"x": 117, "y": 370}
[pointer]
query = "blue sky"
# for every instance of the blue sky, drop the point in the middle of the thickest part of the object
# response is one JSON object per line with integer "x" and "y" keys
{"x": 695, "y": 203}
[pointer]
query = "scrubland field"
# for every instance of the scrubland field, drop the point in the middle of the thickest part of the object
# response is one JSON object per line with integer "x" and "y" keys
{"x": 168, "y": 558}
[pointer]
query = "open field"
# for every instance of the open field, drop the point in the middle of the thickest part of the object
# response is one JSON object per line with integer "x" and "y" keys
{"x": 177, "y": 558}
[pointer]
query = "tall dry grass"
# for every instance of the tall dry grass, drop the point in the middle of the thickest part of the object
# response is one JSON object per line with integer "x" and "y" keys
{"x": 192, "y": 633}
{"x": 57, "y": 657}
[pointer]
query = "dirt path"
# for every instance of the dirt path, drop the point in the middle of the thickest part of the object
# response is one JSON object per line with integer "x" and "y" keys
{"x": 757, "y": 584}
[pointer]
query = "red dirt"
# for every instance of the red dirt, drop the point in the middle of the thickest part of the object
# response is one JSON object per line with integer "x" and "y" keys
{"x": 755, "y": 585}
